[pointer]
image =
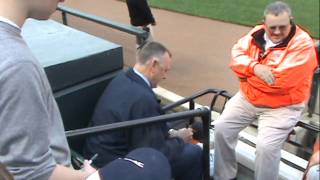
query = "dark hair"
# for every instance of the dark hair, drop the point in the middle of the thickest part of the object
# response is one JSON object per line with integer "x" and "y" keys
{"x": 151, "y": 49}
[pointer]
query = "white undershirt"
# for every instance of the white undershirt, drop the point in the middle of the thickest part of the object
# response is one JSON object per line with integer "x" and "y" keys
{"x": 5, "y": 20}
{"x": 269, "y": 43}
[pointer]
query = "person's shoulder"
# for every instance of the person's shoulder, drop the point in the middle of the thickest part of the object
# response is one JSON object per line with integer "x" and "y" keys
{"x": 14, "y": 54}
{"x": 134, "y": 82}
{"x": 253, "y": 33}
{"x": 256, "y": 29}
{"x": 18, "y": 71}
{"x": 123, "y": 87}
{"x": 122, "y": 83}
{"x": 301, "y": 39}
{"x": 20, "y": 75}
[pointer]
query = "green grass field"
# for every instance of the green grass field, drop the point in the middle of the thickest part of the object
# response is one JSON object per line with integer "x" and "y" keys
{"x": 245, "y": 12}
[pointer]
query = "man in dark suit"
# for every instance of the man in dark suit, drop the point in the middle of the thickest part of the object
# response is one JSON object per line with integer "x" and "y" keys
{"x": 129, "y": 96}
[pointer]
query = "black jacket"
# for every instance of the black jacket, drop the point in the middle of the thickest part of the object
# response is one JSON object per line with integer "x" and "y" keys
{"x": 140, "y": 13}
{"x": 128, "y": 97}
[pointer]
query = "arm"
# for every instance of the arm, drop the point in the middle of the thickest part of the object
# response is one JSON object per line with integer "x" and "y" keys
{"x": 24, "y": 140}
{"x": 25, "y": 144}
{"x": 241, "y": 61}
{"x": 294, "y": 70}
{"x": 61, "y": 172}
{"x": 186, "y": 134}
{"x": 156, "y": 135}
{"x": 315, "y": 158}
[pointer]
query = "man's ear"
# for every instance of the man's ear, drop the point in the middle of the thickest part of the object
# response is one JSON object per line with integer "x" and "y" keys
{"x": 291, "y": 20}
{"x": 154, "y": 62}
{"x": 152, "y": 65}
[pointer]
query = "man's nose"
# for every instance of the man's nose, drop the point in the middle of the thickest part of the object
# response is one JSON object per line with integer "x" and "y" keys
{"x": 164, "y": 76}
{"x": 277, "y": 31}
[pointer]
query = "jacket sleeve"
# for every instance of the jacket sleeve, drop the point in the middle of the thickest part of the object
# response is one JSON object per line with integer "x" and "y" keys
{"x": 241, "y": 61}
{"x": 155, "y": 136}
{"x": 297, "y": 67}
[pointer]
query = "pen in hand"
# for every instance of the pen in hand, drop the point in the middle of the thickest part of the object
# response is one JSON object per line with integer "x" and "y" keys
{"x": 87, "y": 165}
{"x": 89, "y": 162}
{"x": 93, "y": 158}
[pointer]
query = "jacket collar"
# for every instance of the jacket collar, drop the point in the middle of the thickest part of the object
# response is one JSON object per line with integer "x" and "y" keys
{"x": 260, "y": 42}
{"x": 136, "y": 78}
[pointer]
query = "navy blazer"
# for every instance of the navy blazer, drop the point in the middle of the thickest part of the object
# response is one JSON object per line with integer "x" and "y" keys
{"x": 129, "y": 97}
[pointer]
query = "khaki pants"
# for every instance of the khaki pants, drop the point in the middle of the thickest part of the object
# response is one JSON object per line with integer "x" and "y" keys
{"x": 274, "y": 125}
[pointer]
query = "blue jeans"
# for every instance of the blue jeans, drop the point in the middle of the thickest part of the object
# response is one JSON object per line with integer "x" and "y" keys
{"x": 188, "y": 165}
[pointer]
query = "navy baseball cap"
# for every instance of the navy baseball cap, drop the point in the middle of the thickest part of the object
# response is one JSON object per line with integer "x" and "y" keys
{"x": 139, "y": 164}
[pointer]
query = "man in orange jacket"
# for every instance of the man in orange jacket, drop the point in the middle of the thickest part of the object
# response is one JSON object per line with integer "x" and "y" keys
{"x": 274, "y": 63}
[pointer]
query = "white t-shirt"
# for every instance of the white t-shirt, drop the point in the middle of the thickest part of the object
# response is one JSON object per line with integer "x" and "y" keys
{"x": 269, "y": 43}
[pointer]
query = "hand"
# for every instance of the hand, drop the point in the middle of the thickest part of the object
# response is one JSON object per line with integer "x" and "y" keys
{"x": 315, "y": 159}
{"x": 265, "y": 73}
{"x": 87, "y": 168}
{"x": 185, "y": 134}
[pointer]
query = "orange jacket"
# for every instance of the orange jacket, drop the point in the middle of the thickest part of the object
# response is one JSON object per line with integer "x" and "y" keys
{"x": 293, "y": 62}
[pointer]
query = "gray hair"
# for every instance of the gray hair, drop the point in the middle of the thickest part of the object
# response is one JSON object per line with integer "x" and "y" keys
{"x": 150, "y": 50}
{"x": 277, "y": 8}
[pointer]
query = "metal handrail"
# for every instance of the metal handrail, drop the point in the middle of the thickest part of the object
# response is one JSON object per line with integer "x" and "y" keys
{"x": 227, "y": 96}
{"x": 139, "y": 33}
{"x": 190, "y": 99}
{"x": 204, "y": 113}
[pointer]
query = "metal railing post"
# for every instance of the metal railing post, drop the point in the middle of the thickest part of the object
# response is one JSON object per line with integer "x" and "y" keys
{"x": 191, "y": 107}
{"x": 314, "y": 93}
{"x": 206, "y": 119}
{"x": 64, "y": 18}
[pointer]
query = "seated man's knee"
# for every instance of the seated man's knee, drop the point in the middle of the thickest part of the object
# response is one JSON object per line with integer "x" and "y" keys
{"x": 264, "y": 148}
{"x": 220, "y": 128}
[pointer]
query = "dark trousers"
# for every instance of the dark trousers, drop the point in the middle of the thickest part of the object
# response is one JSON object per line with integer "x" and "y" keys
{"x": 188, "y": 166}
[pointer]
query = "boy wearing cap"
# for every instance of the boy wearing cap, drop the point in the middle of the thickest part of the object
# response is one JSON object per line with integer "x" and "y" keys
{"x": 139, "y": 164}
